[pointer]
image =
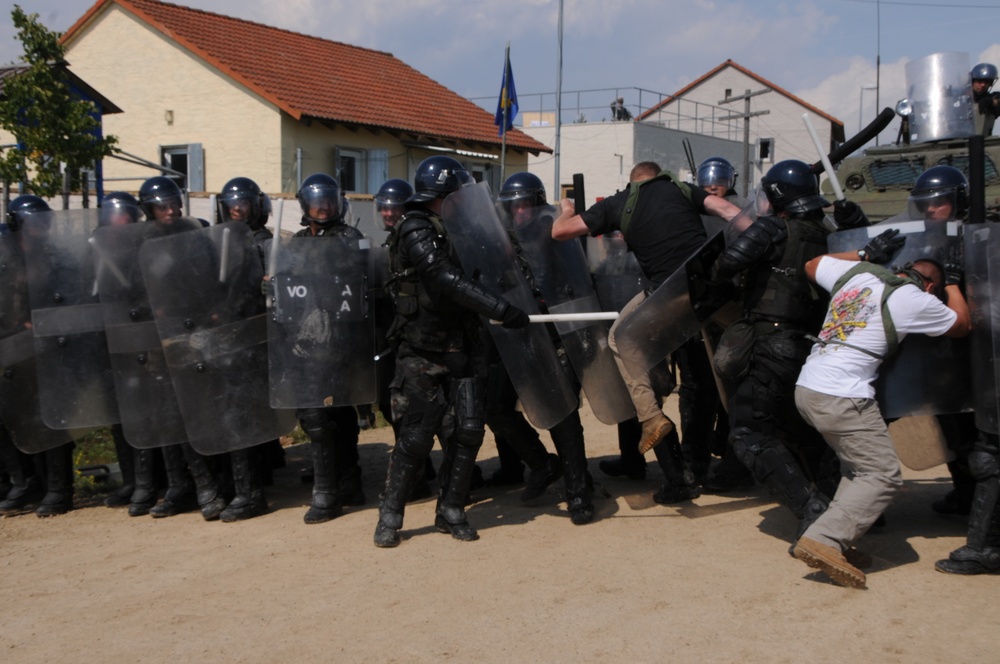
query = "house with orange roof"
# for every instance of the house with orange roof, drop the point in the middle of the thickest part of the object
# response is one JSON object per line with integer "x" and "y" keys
{"x": 714, "y": 102}
{"x": 214, "y": 97}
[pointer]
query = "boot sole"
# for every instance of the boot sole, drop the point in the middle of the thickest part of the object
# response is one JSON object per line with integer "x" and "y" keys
{"x": 836, "y": 570}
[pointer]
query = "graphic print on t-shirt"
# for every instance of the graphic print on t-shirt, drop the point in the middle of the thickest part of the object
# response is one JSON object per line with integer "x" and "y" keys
{"x": 850, "y": 310}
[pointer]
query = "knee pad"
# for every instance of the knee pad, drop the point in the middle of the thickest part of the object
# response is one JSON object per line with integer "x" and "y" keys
{"x": 983, "y": 465}
{"x": 469, "y": 405}
{"x": 317, "y": 423}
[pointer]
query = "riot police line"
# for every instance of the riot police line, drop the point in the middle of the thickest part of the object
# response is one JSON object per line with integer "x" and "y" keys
{"x": 205, "y": 340}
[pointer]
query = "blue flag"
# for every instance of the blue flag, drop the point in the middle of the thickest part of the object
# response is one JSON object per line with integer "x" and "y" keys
{"x": 508, "y": 100}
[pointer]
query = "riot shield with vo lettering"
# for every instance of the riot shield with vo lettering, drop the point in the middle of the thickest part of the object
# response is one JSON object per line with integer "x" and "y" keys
{"x": 487, "y": 255}
{"x": 321, "y": 334}
{"x": 928, "y": 375}
{"x": 76, "y": 387}
{"x": 204, "y": 291}
{"x": 147, "y": 403}
{"x": 19, "y": 404}
{"x": 560, "y": 273}
{"x": 982, "y": 287}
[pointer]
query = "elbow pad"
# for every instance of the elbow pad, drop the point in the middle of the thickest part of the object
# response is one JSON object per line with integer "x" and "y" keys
{"x": 749, "y": 247}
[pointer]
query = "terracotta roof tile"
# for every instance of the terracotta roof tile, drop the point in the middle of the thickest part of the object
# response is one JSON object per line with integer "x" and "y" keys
{"x": 318, "y": 78}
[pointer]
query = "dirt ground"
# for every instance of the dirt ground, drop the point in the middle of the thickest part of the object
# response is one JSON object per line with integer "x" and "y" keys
{"x": 707, "y": 581}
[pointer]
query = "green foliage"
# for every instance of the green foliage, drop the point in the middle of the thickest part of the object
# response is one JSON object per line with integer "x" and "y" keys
{"x": 97, "y": 447}
{"x": 53, "y": 125}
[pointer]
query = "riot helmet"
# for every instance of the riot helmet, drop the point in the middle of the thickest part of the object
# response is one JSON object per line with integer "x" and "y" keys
{"x": 437, "y": 177}
{"x": 941, "y": 193}
{"x": 984, "y": 71}
{"x": 520, "y": 195}
{"x": 23, "y": 207}
{"x": 390, "y": 199}
{"x": 320, "y": 199}
{"x": 716, "y": 172}
{"x": 160, "y": 194}
{"x": 792, "y": 187}
{"x": 119, "y": 208}
{"x": 241, "y": 200}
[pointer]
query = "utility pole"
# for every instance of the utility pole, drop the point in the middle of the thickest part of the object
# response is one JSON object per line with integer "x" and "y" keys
{"x": 746, "y": 129}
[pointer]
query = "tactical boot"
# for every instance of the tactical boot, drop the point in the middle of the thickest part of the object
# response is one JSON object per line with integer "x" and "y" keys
{"x": 250, "y": 500}
{"x": 350, "y": 488}
{"x": 26, "y": 487}
{"x": 568, "y": 438}
{"x": 180, "y": 496}
{"x": 653, "y": 431}
{"x": 325, "y": 505}
{"x": 59, "y": 471}
{"x": 618, "y": 468}
{"x": 399, "y": 480}
{"x": 981, "y": 553}
{"x": 122, "y": 496}
{"x": 450, "y": 516}
{"x": 811, "y": 510}
{"x": 832, "y": 561}
{"x": 209, "y": 496}
{"x": 540, "y": 476}
{"x": 679, "y": 482}
{"x": 144, "y": 497}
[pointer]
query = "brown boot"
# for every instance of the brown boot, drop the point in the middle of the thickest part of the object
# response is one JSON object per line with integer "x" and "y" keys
{"x": 830, "y": 560}
{"x": 653, "y": 431}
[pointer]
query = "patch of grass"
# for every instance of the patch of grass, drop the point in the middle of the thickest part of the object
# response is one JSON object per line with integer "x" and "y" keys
{"x": 95, "y": 448}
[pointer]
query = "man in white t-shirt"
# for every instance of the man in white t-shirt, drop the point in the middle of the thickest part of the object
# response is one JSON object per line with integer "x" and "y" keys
{"x": 835, "y": 391}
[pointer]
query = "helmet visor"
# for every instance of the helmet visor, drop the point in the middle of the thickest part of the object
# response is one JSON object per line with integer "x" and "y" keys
{"x": 936, "y": 205}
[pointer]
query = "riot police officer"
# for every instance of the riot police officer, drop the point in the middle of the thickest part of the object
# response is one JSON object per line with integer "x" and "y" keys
{"x": 390, "y": 201}
{"x": 781, "y": 307}
{"x": 439, "y": 361}
{"x": 332, "y": 430}
{"x": 984, "y": 76}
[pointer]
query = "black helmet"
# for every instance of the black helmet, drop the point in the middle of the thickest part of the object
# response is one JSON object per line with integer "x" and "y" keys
{"x": 984, "y": 71}
{"x": 792, "y": 187}
{"x": 242, "y": 192}
{"x": 437, "y": 177}
{"x": 936, "y": 187}
{"x": 159, "y": 191}
{"x": 320, "y": 190}
{"x": 22, "y": 207}
{"x": 523, "y": 185}
{"x": 716, "y": 171}
{"x": 393, "y": 192}
{"x": 116, "y": 206}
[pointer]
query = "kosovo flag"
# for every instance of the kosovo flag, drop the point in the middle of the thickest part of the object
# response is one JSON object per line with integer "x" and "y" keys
{"x": 508, "y": 100}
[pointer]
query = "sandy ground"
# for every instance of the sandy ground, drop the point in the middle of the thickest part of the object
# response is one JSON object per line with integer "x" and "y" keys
{"x": 707, "y": 581}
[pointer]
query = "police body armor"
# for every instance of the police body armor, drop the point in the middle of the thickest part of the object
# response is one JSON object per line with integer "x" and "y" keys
{"x": 150, "y": 414}
{"x": 982, "y": 288}
{"x": 321, "y": 335}
{"x": 19, "y": 405}
{"x": 487, "y": 255}
{"x": 928, "y": 375}
{"x": 75, "y": 383}
{"x": 559, "y": 271}
{"x": 204, "y": 290}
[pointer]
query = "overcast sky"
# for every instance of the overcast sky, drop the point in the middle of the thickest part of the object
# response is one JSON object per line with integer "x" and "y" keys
{"x": 821, "y": 50}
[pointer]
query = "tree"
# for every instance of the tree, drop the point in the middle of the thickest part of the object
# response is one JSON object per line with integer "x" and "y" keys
{"x": 53, "y": 126}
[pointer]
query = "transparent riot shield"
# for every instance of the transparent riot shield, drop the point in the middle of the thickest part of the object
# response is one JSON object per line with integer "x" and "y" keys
{"x": 617, "y": 275}
{"x": 204, "y": 291}
{"x": 321, "y": 336}
{"x": 560, "y": 272}
{"x": 939, "y": 92}
{"x": 928, "y": 375}
{"x": 19, "y": 404}
{"x": 487, "y": 255}
{"x": 147, "y": 403}
{"x": 674, "y": 313}
{"x": 982, "y": 280}
{"x": 75, "y": 384}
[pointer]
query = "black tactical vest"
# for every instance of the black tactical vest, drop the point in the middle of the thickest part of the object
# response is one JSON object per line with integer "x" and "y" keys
{"x": 779, "y": 290}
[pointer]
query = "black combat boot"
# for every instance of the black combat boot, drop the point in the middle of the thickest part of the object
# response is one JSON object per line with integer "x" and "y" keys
{"x": 59, "y": 473}
{"x": 144, "y": 497}
{"x": 122, "y": 496}
{"x": 206, "y": 484}
{"x": 450, "y": 512}
{"x": 543, "y": 470}
{"x": 325, "y": 505}
{"x": 679, "y": 482}
{"x": 981, "y": 553}
{"x": 574, "y": 467}
{"x": 250, "y": 500}
{"x": 180, "y": 496}
{"x": 399, "y": 480}
{"x": 26, "y": 486}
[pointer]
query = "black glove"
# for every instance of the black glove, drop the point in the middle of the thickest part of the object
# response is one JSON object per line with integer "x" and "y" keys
{"x": 514, "y": 318}
{"x": 848, "y": 214}
{"x": 990, "y": 103}
{"x": 952, "y": 274}
{"x": 882, "y": 247}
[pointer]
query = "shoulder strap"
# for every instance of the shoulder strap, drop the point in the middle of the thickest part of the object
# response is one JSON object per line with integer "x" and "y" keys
{"x": 892, "y": 282}
{"x": 633, "y": 195}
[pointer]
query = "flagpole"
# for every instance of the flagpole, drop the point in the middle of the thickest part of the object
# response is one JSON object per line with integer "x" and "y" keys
{"x": 557, "y": 191}
{"x": 506, "y": 110}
